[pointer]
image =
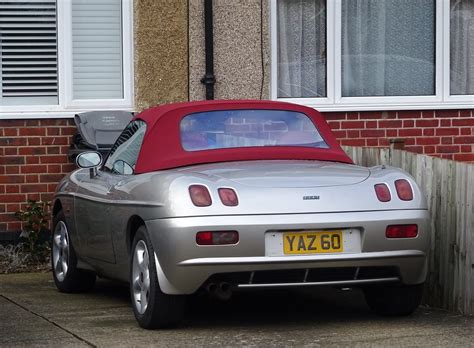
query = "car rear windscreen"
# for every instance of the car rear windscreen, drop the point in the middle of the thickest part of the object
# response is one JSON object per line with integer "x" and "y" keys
{"x": 248, "y": 128}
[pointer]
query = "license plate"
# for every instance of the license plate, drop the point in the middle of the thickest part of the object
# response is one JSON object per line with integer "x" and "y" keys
{"x": 312, "y": 242}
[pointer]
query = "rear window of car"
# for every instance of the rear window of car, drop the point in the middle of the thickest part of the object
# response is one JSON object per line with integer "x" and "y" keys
{"x": 248, "y": 128}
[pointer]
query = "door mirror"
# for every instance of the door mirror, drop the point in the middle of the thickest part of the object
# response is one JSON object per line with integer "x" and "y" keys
{"x": 89, "y": 159}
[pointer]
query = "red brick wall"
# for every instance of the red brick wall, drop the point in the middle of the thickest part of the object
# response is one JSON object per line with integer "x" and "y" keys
{"x": 33, "y": 153}
{"x": 33, "y": 158}
{"x": 445, "y": 133}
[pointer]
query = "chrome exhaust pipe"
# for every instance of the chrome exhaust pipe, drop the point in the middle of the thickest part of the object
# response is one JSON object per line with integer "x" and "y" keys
{"x": 224, "y": 291}
{"x": 211, "y": 288}
{"x": 221, "y": 291}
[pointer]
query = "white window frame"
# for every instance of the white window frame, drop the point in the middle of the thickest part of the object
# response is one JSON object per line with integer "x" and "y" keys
{"x": 334, "y": 100}
{"x": 67, "y": 106}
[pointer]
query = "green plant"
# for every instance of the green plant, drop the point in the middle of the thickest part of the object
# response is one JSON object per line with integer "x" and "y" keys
{"x": 35, "y": 234}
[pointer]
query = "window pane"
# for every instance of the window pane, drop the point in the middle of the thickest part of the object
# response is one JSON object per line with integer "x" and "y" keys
{"x": 388, "y": 48}
{"x": 301, "y": 48}
{"x": 248, "y": 128}
{"x": 97, "y": 49}
{"x": 462, "y": 46}
{"x": 28, "y": 53}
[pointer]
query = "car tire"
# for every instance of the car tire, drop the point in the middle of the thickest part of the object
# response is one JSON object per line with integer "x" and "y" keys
{"x": 67, "y": 277}
{"x": 153, "y": 309}
{"x": 394, "y": 300}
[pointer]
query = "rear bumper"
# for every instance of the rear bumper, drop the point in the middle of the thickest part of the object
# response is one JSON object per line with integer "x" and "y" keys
{"x": 183, "y": 266}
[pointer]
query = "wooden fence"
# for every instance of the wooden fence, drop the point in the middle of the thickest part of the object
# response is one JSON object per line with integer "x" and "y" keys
{"x": 449, "y": 189}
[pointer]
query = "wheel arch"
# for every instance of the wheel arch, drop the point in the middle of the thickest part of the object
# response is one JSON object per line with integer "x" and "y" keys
{"x": 166, "y": 286}
{"x": 134, "y": 223}
{"x": 57, "y": 207}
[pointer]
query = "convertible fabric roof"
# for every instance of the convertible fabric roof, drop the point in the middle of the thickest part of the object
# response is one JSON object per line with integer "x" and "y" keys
{"x": 161, "y": 148}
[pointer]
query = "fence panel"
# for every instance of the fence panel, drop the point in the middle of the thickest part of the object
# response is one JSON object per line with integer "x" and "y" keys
{"x": 449, "y": 190}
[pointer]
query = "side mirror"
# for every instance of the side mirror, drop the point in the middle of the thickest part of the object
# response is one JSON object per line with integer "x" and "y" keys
{"x": 89, "y": 159}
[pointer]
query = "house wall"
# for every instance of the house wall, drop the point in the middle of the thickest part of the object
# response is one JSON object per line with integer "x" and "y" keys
{"x": 33, "y": 153}
{"x": 241, "y": 49}
{"x": 33, "y": 158}
{"x": 242, "y": 71}
{"x": 169, "y": 64}
{"x": 161, "y": 52}
{"x": 441, "y": 133}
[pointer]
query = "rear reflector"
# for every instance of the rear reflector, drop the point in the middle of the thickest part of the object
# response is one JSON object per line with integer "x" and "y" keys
{"x": 404, "y": 191}
{"x": 383, "y": 192}
{"x": 228, "y": 197}
{"x": 200, "y": 195}
{"x": 217, "y": 237}
{"x": 401, "y": 231}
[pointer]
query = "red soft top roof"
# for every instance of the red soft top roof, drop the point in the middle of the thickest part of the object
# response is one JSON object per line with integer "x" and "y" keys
{"x": 161, "y": 148}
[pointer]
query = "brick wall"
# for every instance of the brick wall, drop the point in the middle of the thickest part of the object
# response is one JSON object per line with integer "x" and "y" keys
{"x": 33, "y": 153}
{"x": 33, "y": 158}
{"x": 446, "y": 133}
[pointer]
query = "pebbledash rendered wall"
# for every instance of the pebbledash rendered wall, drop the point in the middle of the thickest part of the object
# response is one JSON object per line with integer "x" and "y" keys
{"x": 169, "y": 64}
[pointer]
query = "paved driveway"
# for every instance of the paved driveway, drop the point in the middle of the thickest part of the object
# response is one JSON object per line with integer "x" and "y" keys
{"x": 32, "y": 312}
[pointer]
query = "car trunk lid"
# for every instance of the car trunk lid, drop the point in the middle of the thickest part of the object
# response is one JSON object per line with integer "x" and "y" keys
{"x": 285, "y": 174}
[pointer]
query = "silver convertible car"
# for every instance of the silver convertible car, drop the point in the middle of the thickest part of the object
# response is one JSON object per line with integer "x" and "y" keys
{"x": 223, "y": 196}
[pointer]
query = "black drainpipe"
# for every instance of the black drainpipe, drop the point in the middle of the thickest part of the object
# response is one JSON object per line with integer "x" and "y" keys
{"x": 209, "y": 79}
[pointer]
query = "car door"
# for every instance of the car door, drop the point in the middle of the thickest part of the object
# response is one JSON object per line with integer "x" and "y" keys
{"x": 95, "y": 206}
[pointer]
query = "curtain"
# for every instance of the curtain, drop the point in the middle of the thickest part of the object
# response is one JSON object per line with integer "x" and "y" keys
{"x": 388, "y": 48}
{"x": 462, "y": 47}
{"x": 301, "y": 48}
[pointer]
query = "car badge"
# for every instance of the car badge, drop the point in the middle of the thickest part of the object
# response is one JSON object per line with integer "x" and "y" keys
{"x": 310, "y": 198}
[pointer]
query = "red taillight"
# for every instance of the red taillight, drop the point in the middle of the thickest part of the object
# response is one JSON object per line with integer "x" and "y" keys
{"x": 200, "y": 195}
{"x": 204, "y": 238}
{"x": 228, "y": 197}
{"x": 217, "y": 237}
{"x": 404, "y": 191}
{"x": 383, "y": 193}
{"x": 401, "y": 231}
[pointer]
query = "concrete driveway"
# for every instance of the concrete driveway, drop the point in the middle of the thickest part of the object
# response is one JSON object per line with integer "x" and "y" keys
{"x": 32, "y": 312}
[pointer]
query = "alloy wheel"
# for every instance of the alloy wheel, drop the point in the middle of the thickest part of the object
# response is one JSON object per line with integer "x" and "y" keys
{"x": 60, "y": 251}
{"x": 141, "y": 277}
